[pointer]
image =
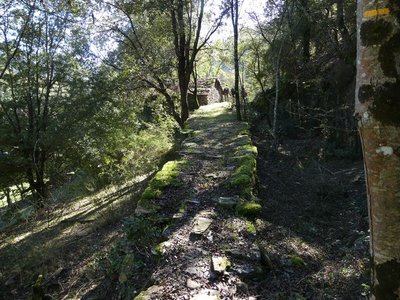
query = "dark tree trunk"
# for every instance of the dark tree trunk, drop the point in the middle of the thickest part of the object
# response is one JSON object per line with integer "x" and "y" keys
{"x": 235, "y": 20}
{"x": 306, "y": 43}
{"x": 306, "y": 32}
{"x": 344, "y": 32}
{"x": 195, "y": 91}
{"x": 7, "y": 193}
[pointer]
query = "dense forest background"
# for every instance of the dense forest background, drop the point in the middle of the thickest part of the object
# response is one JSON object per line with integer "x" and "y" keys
{"x": 94, "y": 95}
{"x": 88, "y": 89}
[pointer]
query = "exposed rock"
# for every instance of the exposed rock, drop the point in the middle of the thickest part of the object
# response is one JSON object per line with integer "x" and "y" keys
{"x": 248, "y": 270}
{"x": 241, "y": 140}
{"x": 264, "y": 256}
{"x": 199, "y": 272}
{"x": 252, "y": 254}
{"x": 228, "y": 202}
{"x": 201, "y": 224}
{"x": 149, "y": 293}
{"x": 161, "y": 248}
{"x": 191, "y": 284}
{"x": 177, "y": 215}
{"x": 206, "y": 294}
{"x": 190, "y": 145}
{"x": 220, "y": 264}
{"x": 216, "y": 175}
{"x": 192, "y": 201}
{"x": 245, "y": 151}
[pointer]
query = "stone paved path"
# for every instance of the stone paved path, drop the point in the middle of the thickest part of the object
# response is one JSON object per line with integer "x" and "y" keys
{"x": 210, "y": 252}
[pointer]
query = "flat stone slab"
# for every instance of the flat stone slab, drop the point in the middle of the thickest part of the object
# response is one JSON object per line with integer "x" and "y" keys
{"x": 190, "y": 145}
{"x": 206, "y": 294}
{"x": 220, "y": 264}
{"x": 196, "y": 271}
{"x": 191, "y": 284}
{"x": 149, "y": 293}
{"x": 228, "y": 202}
{"x": 201, "y": 224}
{"x": 220, "y": 174}
{"x": 248, "y": 270}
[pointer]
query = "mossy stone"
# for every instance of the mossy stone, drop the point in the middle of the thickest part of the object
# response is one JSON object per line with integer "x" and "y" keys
{"x": 150, "y": 193}
{"x": 249, "y": 209}
{"x": 241, "y": 180}
{"x": 251, "y": 228}
{"x": 164, "y": 178}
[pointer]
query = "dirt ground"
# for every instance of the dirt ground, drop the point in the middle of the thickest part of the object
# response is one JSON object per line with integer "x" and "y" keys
{"x": 317, "y": 211}
{"x": 66, "y": 244}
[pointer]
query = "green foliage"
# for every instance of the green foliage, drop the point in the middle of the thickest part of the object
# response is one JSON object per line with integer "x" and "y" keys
{"x": 244, "y": 175}
{"x": 250, "y": 209}
{"x": 287, "y": 49}
{"x": 141, "y": 231}
{"x": 164, "y": 178}
{"x": 296, "y": 260}
{"x": 251, "y": 228}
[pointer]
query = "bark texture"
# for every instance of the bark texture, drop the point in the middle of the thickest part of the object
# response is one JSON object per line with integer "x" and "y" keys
{"x": 378, "y": 112}
{"x": 234, "y": 5}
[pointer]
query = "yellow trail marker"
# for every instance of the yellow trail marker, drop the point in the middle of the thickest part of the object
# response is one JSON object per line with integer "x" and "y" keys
{"x": 376, "y": 12}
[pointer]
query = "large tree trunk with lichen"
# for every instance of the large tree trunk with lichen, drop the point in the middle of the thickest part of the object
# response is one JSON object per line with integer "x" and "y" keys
{"x": 378, "y": 112}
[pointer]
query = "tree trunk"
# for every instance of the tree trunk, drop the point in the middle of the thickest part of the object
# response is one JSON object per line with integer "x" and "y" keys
{"x": 235, "y": 20}
{"x": 344, "y": 32}
{"x": 277, "y": 79}
{"x": 7, "y": 193}
{"x": 183, "y": 88}
{"x": 195, "y": 91}
{"x": 306, "y": 31}
{"x": 378, "y": 114}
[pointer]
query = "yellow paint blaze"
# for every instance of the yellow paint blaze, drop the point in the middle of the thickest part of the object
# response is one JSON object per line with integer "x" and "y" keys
{"x": 376, "y": 12}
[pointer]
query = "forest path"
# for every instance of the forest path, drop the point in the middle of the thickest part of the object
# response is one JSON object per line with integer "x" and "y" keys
{"x": 209, "y": 249}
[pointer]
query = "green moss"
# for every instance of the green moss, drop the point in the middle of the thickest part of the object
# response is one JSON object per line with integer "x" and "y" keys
{"x": 234, "y": 236}
{"x": 296, "y": 260}
{"x": 243, "y": 176}
{"x": 182, "y": 207}
{"x": 249, "y": 149}
{"x": 150, "y": 193}
{"x": 244, "y": 132}
{"x": 164, "y": 178}
{"x": 249, "y": 209}
{"x": 159, "y": 249}
{"x": 251, "y": 228}
{"x": 241, "y": 180}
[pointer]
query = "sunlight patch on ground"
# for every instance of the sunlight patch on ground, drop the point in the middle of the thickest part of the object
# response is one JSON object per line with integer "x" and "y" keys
{"x": 81, "y": 209}
{"x": 213, "y": 110}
